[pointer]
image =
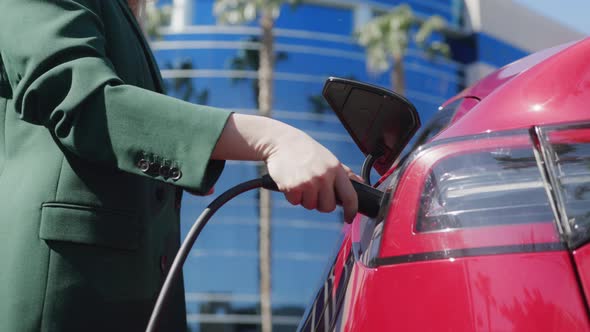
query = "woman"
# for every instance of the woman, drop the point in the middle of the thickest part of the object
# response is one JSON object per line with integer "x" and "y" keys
{"x": 93, "y": 158}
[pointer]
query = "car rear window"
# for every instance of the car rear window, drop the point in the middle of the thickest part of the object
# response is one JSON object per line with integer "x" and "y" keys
{"x": 439, "y": 121}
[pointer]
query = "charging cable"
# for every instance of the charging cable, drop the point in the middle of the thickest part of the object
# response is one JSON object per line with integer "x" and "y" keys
{"x": 264, "y": 182}
{"x": 369, "y": 203}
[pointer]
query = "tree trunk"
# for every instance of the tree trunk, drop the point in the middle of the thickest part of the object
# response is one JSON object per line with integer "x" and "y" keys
{"x": 398, "y": 79}
{"x": 266, "y": 66}
{"x": 265, "y": 95}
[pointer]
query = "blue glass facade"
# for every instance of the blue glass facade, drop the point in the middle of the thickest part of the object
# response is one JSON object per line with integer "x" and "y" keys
{"x": 315, "y": 41}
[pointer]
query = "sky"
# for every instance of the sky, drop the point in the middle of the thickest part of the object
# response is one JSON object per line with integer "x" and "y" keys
{"x": 573, "y": 13}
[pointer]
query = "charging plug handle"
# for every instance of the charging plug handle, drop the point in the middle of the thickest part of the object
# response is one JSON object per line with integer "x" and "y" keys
{"x": 369, "y": 198}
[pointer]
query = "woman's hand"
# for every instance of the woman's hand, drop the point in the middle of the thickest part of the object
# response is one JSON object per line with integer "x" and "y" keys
{"x": 308, "y": 174}
{"x": 305, "y": 171}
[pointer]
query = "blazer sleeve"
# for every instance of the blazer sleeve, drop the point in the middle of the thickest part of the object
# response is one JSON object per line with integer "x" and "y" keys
{"x": 54, "y": 52}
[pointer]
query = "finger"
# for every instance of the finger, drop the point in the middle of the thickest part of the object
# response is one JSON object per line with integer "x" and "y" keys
{"x": 294, "y": 197}
{"x": 346, "y": 195}
{"x": 196, "y": 193}
{"x": 327, "y": 199}
{"x": 346, "y": 168}
{"x": 352, "y": 175}
{"x": 309, "y": 198}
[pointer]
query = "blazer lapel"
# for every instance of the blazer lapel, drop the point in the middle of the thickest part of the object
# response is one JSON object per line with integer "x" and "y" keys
{"x": 155, "y": 71}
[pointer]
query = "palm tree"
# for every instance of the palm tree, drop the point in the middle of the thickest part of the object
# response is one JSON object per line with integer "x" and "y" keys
{"x": 249, "y": 59}
{"x": 156, "y": 17}
{"x": 318, "y": 104}
{"x": 184, "y": 86}
{"x": 266, "y": 11}
{"x": 160, "y": 16}
{"x": 387, "y": 36}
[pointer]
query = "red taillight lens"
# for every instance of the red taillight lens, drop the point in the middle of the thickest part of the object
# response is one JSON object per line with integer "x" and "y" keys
{"x": 492, "y": 187}
{"x": 566, "y": 149}
{"x": 469, "y": 196}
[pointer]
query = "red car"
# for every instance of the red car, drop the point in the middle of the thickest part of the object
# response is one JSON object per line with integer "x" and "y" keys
{"x": 486, "y": 224}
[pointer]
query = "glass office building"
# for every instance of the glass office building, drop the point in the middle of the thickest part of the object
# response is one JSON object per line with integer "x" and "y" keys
{"x": 213, "y": 64}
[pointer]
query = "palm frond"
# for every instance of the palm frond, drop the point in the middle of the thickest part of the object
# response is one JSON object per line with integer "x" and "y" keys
{"x": 387, "y": 37}
{"x": 433, "y": 24}
{"x": 156, "y": 17}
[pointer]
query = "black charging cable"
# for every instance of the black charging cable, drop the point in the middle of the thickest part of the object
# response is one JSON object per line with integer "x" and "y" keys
{"x": 264, "y": 182}
{"x": 366, "y": 169}
{"x": 369, "y": 203}
{"x": 368, "y": 165}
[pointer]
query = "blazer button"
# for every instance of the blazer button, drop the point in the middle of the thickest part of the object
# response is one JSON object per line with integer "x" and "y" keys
{"x": 175, "y": 174}
{"x": 165, "y": 171}
{"x": 143, "y": 165}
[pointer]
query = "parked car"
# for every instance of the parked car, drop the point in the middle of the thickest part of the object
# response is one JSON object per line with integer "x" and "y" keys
{"x": 487, "y": 221}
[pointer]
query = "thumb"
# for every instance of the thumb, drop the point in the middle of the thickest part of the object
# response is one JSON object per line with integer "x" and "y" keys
{"x": 346, "y": 194}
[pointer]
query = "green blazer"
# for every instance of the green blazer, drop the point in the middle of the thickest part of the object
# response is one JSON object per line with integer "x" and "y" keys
{"x": 91, "y": 158}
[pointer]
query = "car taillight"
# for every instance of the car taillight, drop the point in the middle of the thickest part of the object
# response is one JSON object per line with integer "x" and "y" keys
{"x": 483, "y": 188}
{"x": 476, "y": 195}
{"x": 566, "y": 148}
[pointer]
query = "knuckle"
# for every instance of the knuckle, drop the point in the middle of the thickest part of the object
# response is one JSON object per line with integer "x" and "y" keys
{"x": 292, "y": 199}
{"x": 308, "y": 206}
{"x": 309, "y": 202}
{"x": 291, "y": 190}
{"x": 327, "y": 208}
{"x": 307, "y": 184}
{"x": 321, "y": 180}
{"x": 334, "y": 166}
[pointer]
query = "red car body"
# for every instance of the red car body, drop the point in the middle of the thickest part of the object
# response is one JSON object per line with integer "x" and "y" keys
{"x": 488, "y": 221}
